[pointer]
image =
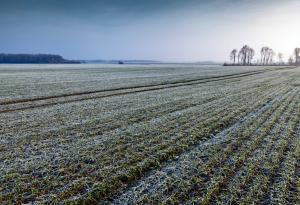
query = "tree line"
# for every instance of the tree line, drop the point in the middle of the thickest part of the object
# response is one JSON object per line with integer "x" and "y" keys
{"x": 267, "y": 57}
{"x": 33, "y": 58}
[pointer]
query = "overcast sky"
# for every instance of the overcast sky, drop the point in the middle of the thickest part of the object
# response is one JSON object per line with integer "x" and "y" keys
{"x": 170, "y": 30}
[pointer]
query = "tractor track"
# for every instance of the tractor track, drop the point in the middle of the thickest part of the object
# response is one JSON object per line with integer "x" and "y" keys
{"x": 25, "y": 104}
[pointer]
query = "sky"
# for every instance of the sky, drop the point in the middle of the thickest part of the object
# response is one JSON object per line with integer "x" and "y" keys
{"x": 167, "y": 30}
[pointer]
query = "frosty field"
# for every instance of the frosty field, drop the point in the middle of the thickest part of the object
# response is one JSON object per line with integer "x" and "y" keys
{"x": 149, "y": 134}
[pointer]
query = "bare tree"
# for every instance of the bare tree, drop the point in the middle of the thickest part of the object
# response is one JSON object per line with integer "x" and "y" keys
{"x": 250, "y": 55}
{"x": 267, "y": 55}
{"x": 291, "y": 60}
{"x": 240, "y": 57}
{"x": 243, "y": 52}
{"x": 270, "y": 55}
{"x": 280, "y": 58}
{"x": 297, "y": 55}
{"x": 246, "y": 55}
{"x": 233, "y": 55}
{"x": 263, "y": 53}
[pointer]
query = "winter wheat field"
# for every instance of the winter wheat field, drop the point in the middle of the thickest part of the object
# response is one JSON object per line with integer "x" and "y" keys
{"x": 149, "y": 134}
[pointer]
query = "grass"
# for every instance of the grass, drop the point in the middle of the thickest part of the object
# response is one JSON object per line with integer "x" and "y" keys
{"x": 231, "y": 140}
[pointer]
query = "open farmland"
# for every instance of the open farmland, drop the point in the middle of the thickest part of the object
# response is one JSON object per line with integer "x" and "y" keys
{"x": 149, "y": 134}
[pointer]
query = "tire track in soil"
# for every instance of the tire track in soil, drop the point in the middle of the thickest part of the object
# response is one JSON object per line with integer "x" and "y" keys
{"x": 125, "y": 91}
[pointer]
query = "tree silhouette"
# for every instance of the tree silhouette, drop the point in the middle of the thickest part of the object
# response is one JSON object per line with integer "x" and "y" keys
{"x": 270, "y": 55}
{"x": 291, "y": 60}
{"x": 250, "y": 55}
{"x": 297, "y": 55}
{"x": 263, "y": 53}
{"x": 280, "y": 58}
{"x": 233, "y": 55}
{"x": 267, "y": 55}
{"x": 246, "y": 55}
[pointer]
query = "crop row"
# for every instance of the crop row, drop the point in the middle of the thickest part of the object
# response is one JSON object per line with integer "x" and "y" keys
{"x": 108, "y": 147}
{"x": 242, "y": 180}
{"x": 116, "y": 157}
{"x": 198, "y": 131}
{"x": 219, "y": 153}
{"x": 263, "y": 178}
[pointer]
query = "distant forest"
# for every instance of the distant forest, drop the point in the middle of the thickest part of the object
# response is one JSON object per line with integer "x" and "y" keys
{"x": 33, "y": 58}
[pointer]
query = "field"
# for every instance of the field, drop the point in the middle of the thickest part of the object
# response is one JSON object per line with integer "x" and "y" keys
{"x": 149, "y": 134}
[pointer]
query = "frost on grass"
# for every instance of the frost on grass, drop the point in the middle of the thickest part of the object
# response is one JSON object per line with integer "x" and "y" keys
{"x": 173, "y": 144}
